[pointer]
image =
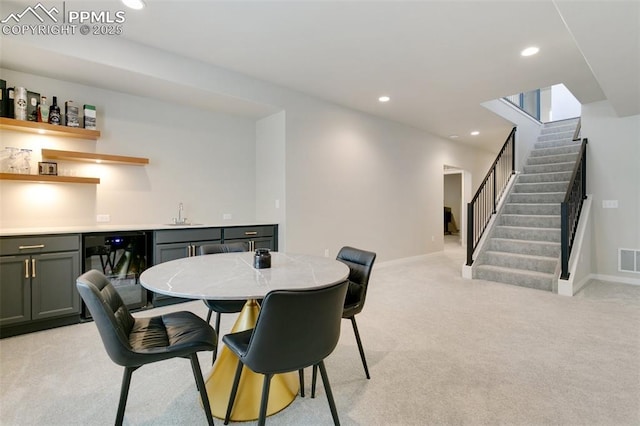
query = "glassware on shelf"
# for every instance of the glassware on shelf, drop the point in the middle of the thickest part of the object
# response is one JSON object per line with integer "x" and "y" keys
{"x": 9, "y": 159}
{"x": 25, "y": 163}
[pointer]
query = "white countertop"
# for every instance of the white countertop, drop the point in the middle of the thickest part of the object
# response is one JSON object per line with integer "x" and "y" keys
{"x": 232, "y": 275}
{"x": 80, "y": 229}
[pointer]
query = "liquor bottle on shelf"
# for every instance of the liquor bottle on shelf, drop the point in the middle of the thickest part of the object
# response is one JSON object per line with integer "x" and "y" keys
{"x": 54, "y": 112}
{"x": 43, "y": 110}
{"x": 20, "y": 103}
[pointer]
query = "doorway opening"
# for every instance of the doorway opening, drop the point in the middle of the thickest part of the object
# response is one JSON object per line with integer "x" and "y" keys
{"x": 456, "y": 193}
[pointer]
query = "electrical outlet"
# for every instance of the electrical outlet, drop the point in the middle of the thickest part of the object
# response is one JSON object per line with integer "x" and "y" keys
{"x": 326, "y": 252}
{"x": 103, "y": 218}
{"x": 609, "y": 204}
{"x": 226, "y": 216}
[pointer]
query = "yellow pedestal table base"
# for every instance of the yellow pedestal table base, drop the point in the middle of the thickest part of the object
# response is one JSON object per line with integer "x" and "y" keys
{"x": 283, "y": 389}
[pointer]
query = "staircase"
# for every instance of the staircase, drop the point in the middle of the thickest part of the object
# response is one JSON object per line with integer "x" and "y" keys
{"x": 523, "y": 247}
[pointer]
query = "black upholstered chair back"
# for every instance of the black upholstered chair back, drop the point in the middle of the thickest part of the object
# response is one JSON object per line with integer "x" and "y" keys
{"x": 295, "y": 329}
{"x": 360, "y": 263}
{"x": 111, "y": 316}
{"x": 133, "y": 342}
{"x": 223, "y": 248}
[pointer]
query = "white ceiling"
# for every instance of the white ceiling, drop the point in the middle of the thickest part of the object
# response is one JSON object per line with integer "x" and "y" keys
{"x": 437, "y": 60}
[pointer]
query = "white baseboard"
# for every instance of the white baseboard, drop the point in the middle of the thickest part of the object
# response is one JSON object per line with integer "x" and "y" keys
{"x": 615, "y": 279}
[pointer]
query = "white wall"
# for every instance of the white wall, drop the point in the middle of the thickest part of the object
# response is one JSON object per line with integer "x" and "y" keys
{"x": 563, "y": 104}
{"x": 350, "y": 178}
{"x": 613, "y": 173}
{"x": 527, "y": 132}
{"x": 354, "y": 179}
{"x": 205, "y": 160}
{"x": 271, "y": 198}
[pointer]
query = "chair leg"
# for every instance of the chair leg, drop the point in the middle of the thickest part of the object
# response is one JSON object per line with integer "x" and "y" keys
{"x": 209, "y": 316}
{"x": 265, "y": 399}
{"x": 364, "y": 360}
{"x": 215, "y": 353}
{"x": 124, "y": 393}
{"x": 314, "y": 376}
{"x": 327, "y": 389}
{"x": 218, "y": 322}
{"x": 301, "y": 374}
{"x": 197, "y": 373}
{"x": 234, "y": 391}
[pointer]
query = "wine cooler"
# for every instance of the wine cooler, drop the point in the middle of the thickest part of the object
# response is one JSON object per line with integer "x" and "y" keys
{"x": 121, "y": 257}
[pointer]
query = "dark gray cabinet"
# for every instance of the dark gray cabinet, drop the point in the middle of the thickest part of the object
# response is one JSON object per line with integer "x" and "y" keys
{"x": 37, "y": 278}
{"x": 172, "y": 244}
{"x": 261, "y": 236}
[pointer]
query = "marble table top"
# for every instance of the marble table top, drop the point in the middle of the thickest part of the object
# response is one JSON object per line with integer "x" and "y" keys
{"x": 229, "y": 276}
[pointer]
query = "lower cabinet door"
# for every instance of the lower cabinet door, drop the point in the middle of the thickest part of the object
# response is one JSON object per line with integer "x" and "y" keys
{"x": 15, "y": 290}
{"x": 53, "y": 285}
{"x": 171, "y": 251}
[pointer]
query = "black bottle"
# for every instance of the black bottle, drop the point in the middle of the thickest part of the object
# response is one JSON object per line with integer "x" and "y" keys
{"x": 54, "y": 112}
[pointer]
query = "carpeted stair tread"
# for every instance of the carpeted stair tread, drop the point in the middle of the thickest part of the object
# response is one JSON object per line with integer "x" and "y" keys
{"x": 536, "y": 197}
{"x": 545, "y": 209}
{"x": 522, "y": 278}
{"x": 552, "y": 159}
{"x": 523, "y": 247}
{"x": 565, "y": 166}
{"x": 536, "y": 187}
{"x": 531, "y": 220}
{"x": 555, "y": 150}
{"x": 564, "y": 176}
{"x": 527, "y": 262}
{"x": 534, "y": 248}
{"x": 527, "y": 233}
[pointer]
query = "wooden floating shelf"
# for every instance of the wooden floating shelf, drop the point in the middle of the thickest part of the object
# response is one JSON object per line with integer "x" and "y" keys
{"x": 54, "y": 154}
{"x": 48, "y": 178}
{"x": 48, "y": 129}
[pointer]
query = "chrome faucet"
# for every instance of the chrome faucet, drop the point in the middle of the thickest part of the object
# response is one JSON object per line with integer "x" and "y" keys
{"x": 180, "y": 220}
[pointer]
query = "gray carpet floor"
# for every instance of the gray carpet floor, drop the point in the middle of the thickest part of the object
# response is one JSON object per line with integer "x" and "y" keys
{"x": 441, "y": 351}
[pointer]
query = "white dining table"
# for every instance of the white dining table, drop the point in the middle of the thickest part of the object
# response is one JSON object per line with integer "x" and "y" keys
{"x": 232, "y": 276}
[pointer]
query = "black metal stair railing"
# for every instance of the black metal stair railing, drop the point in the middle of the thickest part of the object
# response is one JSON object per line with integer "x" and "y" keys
{"x": 571, "y": 207}
{"x": 484, "y": 204}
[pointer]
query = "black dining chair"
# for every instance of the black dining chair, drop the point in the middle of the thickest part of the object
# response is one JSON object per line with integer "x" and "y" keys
{"x": 223, "y": 306}
{"x": 133, "y": 342}
{"x": 295, "y": 329}
{"x": 360, "y": 263}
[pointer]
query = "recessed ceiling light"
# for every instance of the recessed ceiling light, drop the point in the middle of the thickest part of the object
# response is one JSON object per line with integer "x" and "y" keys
{"x": 475, "y": 133}
{"x": 529, "y": 51}
{"x": 134, "y": 4}
{"x": 384, "y": 99}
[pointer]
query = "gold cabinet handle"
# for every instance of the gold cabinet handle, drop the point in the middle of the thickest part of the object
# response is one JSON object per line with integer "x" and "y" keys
{"x": 33, "y": 268}
{"x": 26, "y": 268}
{"x": 36, "y": 246}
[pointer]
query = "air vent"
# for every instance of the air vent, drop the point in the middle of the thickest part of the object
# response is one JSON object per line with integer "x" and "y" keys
{"x": 629, "y": 260}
